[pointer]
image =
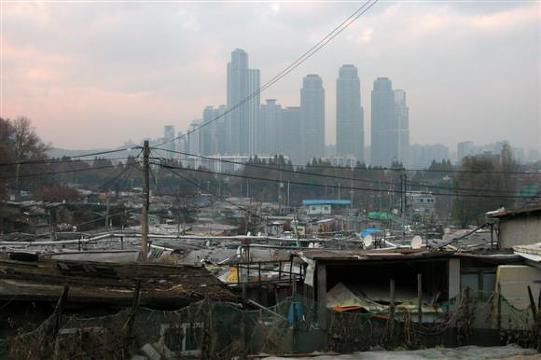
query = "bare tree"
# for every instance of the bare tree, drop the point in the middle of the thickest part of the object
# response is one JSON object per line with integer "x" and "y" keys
{"x": 18, "y": 143}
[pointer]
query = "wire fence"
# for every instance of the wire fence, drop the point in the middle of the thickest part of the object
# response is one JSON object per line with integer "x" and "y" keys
{"x": 219, "y": 330}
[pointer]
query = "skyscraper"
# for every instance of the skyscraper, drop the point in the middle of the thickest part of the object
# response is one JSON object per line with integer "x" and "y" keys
{"x": 290, "y": 137}
{"x": 220, "y": 130}
{"x": 384, "y": 124}
{"x": 213, "y": 134}
{"x": 253, "y": 110}
{"x": 208, "y": 132}
{"x": 193, "y": 142}
{"x": 313, "y": 117}
{"x": 270, "y": 128}
{"x": 402, "y": 118}
{"x": 242, "y": 120}
{"x": 464, "y": 148}
{"x": 169, "y": 139}
{"x": 349, "y": 114}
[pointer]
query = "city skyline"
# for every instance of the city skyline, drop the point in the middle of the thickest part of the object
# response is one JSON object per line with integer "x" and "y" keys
{"x": 167, "y": 77}
{"x": 297, "y": 132}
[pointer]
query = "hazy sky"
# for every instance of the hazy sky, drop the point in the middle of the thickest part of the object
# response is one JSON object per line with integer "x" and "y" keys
{"x": 96, "y": 74}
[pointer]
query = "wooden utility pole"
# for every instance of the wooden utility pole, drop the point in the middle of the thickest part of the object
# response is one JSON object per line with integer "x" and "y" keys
{"x": 107, "y": 214}
{"x": 403, "y": 202}
{"x": 146, "y": 201}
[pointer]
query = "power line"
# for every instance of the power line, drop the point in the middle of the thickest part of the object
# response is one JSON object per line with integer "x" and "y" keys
{"x": 214, "y": 194}
{"x": 115, "y": 179}
{"x": 338, "y": 186}
{"x": 373, "y": 169}
{"x": 70, "y": 158}
{"x": 58, "y": 172}
{"x": 305, "y": 56}
{"x": 300, "y": 172}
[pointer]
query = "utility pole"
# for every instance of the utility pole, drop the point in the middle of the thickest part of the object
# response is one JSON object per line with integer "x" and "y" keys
{"x": 146, "y": 202}
{"x": 403, "y": 202}
{"x": 107, "y": 214}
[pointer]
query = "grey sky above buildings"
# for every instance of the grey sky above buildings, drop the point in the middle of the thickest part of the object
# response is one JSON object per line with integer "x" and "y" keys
{"x": 97, "y": 74}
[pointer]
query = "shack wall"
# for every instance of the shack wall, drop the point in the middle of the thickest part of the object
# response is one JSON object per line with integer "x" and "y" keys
{"x": 520, "y": 230}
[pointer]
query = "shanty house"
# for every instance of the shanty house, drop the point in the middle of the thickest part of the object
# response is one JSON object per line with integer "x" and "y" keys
{"x": 360, "y": 280}
{"x": 324, "y": 207}
{"x": 517, "y": 227}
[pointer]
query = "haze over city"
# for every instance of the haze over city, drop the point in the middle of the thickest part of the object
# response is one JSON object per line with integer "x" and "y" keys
{"x": 93, "y": 75}
{"x": 286, "y": 179}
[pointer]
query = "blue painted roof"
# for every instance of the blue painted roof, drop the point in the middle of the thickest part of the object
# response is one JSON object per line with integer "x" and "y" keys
{"x": 326, "y": 202}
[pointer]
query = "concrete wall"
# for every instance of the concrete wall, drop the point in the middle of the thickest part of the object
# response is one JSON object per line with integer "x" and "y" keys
{"x": 520, "y": 230}
{"x": 514, "y": 281}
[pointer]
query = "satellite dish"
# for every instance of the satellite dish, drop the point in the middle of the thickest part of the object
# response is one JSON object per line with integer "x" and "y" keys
{"x": 368, "y": 240}
{"x": 416, "y": 242}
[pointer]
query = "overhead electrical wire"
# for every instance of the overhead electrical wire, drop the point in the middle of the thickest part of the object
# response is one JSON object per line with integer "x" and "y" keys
{"x": 374, "y": 169}
{"x": 341, "y": 187}
{"x": 69, "y": 158}
{"x": 270, "y": 167}
{"x": 194, "y": 183}
{"x": 300, "y": 172}
{"x": 67, "y": 171}
{"x": 50, "y": 173}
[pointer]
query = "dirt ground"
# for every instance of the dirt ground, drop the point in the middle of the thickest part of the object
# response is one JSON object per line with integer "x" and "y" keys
{"x": 509, "y": 352}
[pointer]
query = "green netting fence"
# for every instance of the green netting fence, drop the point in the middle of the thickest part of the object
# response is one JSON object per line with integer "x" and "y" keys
{"x": 219, "y": 330}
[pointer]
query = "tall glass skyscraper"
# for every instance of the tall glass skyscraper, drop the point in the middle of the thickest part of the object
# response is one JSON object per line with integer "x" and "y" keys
{"x": 242, "y": 120}
{"x": 384, "y": 124}
{"x": 313, "y": 117}
{"x": 349, "y": 114}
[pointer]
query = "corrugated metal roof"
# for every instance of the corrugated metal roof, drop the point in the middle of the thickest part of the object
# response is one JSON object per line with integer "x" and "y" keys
{"x": 504, "y": 213}
{"x": 356, "y": 255}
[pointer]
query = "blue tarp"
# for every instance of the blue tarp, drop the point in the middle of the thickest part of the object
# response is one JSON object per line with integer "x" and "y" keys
{"x": 296, "y": 312}
{"x": 370, "y": 231}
